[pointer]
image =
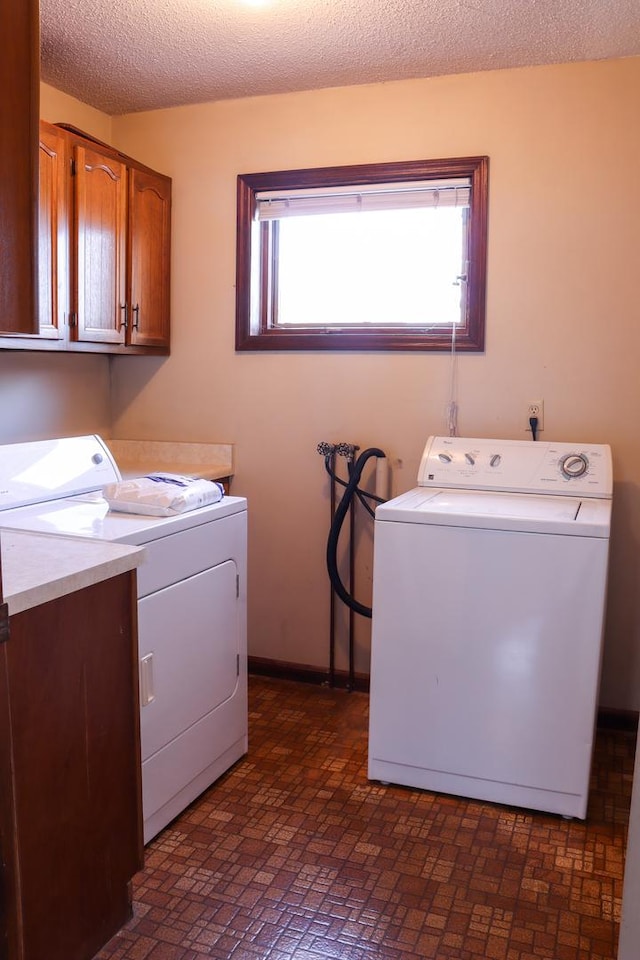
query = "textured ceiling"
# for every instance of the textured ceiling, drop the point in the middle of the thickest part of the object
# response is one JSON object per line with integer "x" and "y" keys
{"x": 128, "y": 55}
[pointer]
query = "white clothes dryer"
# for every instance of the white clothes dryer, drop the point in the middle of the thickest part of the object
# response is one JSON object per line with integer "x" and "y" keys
{"x": 191, "y": 610}
{"x": 489, "y": 594}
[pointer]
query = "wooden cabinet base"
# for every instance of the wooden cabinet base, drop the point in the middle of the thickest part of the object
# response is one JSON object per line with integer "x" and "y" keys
{"x": 70, "y": 807}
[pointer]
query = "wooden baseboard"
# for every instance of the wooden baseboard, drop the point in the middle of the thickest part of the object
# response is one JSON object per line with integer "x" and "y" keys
{"x": 306, "y": 674}
{"x": 608, "y": 718}
{"x": 611, "y": 719}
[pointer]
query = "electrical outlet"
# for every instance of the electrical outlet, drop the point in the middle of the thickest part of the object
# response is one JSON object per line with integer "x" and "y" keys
{"x": 535, "y": 408}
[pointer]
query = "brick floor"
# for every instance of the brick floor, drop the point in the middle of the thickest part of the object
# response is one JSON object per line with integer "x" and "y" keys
{"x": 295, "y": 855}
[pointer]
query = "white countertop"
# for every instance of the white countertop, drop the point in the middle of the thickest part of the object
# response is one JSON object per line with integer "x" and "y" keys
{"x": 37, "y": 568}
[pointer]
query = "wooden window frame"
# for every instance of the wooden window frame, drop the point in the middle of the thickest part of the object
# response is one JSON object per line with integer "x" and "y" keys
{"x": 253, "y": 330}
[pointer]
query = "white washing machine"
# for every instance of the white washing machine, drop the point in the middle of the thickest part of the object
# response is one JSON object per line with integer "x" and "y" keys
{"x": 489, "y": 594}
{"x": 191, "y": 610}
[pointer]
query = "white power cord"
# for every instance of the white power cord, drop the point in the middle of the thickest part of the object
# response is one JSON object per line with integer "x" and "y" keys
{"x": 452, "y": 406}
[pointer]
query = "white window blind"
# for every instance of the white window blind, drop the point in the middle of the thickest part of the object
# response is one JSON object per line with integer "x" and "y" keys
{"x": 275, "y": 205}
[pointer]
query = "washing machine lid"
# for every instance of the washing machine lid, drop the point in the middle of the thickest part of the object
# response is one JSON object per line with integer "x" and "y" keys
{"x": 496, "y": 510}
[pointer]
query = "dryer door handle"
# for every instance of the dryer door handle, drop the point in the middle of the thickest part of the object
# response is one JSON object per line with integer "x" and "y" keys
{"x": 147, "y": 692}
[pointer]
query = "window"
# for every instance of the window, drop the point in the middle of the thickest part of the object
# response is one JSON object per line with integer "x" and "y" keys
{"x": 370, "y": 257}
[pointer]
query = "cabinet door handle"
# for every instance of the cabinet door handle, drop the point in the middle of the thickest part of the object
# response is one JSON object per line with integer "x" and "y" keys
{"x": 123, "y": 322}
{"x": 136, "y": 316}
{"x": 4, "y": 622}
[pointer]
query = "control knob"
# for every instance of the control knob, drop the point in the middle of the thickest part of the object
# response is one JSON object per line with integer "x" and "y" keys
{"x": 445, "y": 457}
{"x": 574, "y": 465}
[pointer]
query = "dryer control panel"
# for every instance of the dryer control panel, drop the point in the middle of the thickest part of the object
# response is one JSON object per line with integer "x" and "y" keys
{"x": 518, "y": 466}
{"x": 43, "y": 470}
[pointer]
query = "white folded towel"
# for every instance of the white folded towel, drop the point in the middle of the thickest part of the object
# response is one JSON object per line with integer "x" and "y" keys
{"x": 161, "y": 494}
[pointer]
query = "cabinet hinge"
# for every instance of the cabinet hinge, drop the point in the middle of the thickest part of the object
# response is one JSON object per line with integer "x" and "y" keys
{"x": 4, "y": 623}
{"x": 72, "y": 165}
{"x": 237, "y": 584}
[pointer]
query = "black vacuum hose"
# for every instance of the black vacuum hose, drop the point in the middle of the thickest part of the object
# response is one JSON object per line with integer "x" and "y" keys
{"x": 351, "y": 489}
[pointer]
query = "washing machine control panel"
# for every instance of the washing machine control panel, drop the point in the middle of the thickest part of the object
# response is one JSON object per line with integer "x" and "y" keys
{"x": 523, "y": 466}
{"x": 574, "y": 465}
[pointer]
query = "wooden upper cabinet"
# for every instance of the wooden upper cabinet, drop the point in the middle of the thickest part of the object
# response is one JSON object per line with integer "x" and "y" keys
{"x": 53, "y": 234}
{"x": 150, "y": 244}
{"x": 100, "y": 241}
{"x": 19, "y": 75}
{"x": 122, "y": 243}
{"x": 104, "y": 250}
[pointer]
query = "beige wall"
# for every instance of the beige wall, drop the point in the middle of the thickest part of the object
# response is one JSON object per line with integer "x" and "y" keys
{"x": 59, "y": 107}
{"x": 564, "y": 235}
{"x": 52, "y": 395}
{"x": 562, "y": 319}
{"x": 45, "y": 395}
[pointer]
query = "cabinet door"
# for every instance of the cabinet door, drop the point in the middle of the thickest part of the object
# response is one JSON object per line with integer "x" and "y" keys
{"x": 149, "y": 226}
{"x": 53, "y": 241}
{"x": 10, "y": 945}
{"x": 71, "y": 806}
{"x": 100, "y": 242}
{"x": 19, "y": 67}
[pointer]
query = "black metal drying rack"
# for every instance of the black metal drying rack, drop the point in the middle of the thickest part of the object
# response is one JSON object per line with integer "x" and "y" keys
{"x": 347, "y": 451}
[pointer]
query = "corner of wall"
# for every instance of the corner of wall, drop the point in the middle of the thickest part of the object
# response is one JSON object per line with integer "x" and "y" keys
{"x": 59, "y": 107}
